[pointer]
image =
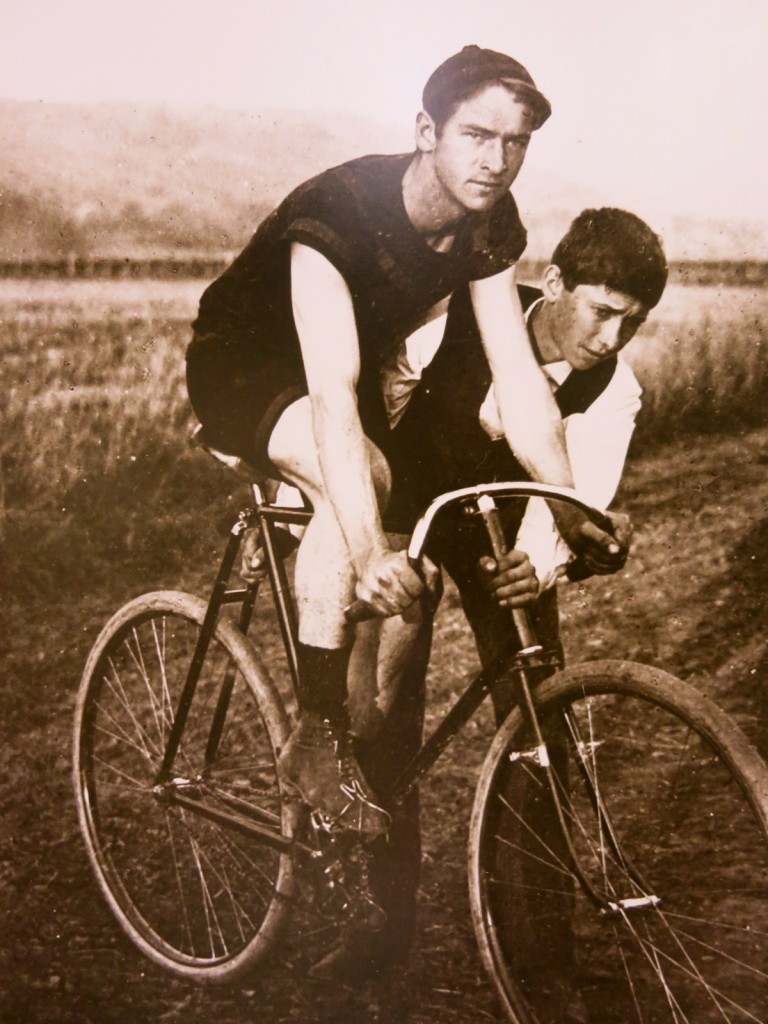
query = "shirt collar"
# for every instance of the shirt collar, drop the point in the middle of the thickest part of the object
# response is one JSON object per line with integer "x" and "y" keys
{"x": 560, "y": 368}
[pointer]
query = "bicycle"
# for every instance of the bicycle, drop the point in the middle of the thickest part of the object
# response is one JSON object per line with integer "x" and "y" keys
{"x": 618, "y": 847}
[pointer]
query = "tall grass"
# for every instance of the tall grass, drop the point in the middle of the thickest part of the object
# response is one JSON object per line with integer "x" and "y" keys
{"x": 702, "y": 359}
{"x": 94, "y": 379}
{"x": 99, "y": 482}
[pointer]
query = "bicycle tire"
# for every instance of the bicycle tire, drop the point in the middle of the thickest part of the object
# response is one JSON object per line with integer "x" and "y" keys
{"x": 687, "y": 797}
{"x": 198, "y": 897}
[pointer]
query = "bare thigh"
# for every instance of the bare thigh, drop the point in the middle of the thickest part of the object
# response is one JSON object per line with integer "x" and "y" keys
{"x": 293, "y": 451}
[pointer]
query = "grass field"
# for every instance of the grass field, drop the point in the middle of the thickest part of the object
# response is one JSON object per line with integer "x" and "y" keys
{"x": 94, "y": 376}
{"x": 96, "y": 418}
{"x": 702, "y": 359}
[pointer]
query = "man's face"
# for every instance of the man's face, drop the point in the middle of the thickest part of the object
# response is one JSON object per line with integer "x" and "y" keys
{"x": 593, "y": 322}
{"x": 481, "y": 148}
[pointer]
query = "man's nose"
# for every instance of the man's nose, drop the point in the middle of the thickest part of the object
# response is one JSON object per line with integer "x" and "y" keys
{"x": 610, "y": 336}
{"x": 494, "y": 158}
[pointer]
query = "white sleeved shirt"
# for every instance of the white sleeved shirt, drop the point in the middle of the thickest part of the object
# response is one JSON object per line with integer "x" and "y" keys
{"x": 402, "y": 374}
{"x": 597, "y": 441}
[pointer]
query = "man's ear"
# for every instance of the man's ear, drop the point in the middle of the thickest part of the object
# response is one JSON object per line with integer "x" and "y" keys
{"x": 552, "y": 283}
{"x": 426, "y": 132}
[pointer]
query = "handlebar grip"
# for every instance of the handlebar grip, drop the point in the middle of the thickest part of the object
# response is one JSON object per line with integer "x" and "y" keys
{"x": 520, "y": 616}
{"x": 602, "y": 521}
{"x": 578, "y": 570}
{"x": 359, "y": 611}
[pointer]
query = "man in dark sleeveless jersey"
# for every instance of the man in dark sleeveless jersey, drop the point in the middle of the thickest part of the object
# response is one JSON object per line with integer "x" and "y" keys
{"x": 285, "y": 368}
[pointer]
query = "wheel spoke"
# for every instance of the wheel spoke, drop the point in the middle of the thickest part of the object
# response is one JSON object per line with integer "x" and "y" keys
{"x": 194, "y": 893}
{"x": 664, "y": 802}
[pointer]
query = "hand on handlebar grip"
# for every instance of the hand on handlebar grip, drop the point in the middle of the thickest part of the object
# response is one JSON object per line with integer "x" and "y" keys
{"x": 602, "y": 549}
{"x": 397, "y": 585}
{"x": 511, "y": 580}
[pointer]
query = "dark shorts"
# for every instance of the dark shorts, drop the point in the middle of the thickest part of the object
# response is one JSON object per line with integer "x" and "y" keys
{"x": 239, "y": 394}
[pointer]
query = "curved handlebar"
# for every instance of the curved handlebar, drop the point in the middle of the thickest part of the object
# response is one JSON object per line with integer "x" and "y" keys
{"x": 359, "y": 610}
{"x": 505, "y": 489}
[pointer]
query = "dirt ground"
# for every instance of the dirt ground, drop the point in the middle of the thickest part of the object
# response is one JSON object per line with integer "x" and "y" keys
{"x": 692, "y": 600}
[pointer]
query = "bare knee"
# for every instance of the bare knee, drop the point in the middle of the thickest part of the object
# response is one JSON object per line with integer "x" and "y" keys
{"x": 293, "y": 451}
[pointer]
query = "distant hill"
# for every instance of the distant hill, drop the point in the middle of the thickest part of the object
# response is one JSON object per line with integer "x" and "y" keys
{"x": 123, "y": 179}
{"x": 112, "y": 178}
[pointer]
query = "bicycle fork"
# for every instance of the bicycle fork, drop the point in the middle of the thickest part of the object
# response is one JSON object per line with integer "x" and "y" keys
{"x": 527, "y": 662}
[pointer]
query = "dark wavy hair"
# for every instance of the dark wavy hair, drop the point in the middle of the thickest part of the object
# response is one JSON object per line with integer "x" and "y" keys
{"x": 615, "y": 248}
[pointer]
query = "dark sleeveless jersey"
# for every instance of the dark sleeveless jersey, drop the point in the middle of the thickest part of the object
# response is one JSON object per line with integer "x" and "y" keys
{"x": 440, "y": 444}
{"x": 355, "y": 216}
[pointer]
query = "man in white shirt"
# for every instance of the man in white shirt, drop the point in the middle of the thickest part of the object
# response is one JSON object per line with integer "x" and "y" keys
{"x": 606, "y": 274}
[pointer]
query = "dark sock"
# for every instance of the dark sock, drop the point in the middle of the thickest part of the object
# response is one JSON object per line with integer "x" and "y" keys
{"x": 323, "y": 679}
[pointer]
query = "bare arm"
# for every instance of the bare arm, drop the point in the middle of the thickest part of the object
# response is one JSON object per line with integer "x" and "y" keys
{"x": 529, "y": 414}
{"x": 598, "y": 440}
{"x": 325, "y": 321}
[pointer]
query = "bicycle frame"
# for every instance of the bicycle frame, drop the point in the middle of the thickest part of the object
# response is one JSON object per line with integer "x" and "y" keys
{"x": 523, "y": 655}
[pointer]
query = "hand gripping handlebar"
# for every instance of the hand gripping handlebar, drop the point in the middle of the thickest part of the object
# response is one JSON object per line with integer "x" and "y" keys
{"x": 483, "y": 496}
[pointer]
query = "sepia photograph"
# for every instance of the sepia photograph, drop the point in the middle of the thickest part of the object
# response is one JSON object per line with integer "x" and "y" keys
{"x": 384, "y": 512}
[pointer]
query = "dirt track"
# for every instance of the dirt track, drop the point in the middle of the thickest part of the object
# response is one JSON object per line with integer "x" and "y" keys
{"x": 692, "y": 599}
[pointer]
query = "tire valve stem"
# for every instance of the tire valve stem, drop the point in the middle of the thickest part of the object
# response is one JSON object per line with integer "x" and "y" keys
{"x": 539, "y": 755}
{"x": 636, "y": 903}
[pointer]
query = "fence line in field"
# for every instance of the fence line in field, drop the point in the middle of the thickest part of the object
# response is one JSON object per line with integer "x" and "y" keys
{"x": 692, "y": 272}
{"x": 113, "y": 268}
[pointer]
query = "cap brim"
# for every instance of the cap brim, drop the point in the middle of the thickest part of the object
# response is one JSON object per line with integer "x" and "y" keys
{"x": 538, "y": 102}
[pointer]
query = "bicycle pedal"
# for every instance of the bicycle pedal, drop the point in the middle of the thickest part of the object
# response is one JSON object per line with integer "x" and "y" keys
{"x": 333, "y": 827}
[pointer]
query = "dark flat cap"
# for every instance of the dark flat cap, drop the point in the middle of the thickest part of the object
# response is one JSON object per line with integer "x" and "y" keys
{"x": 459, "y": 75}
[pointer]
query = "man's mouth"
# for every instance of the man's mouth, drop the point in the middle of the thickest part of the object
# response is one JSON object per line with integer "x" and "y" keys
{"x": 594, "y": 356}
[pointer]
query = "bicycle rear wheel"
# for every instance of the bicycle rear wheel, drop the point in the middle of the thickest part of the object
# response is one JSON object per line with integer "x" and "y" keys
{"x": 671, "y": 831}
{"x": 193, "y": 868}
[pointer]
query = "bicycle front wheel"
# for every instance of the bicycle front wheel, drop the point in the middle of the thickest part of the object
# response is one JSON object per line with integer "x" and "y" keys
{"x": 666, "y": 809}
{"x": 191, "y": 864}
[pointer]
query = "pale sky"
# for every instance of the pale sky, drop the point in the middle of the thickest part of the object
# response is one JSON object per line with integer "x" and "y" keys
{"x": 658, "y": 104}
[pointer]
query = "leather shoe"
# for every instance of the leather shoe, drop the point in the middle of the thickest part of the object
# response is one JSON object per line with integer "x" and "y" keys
{"x": 318, "y": 762}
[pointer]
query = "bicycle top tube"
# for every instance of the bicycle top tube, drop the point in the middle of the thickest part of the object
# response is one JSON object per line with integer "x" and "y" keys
{"x": 503, "y": 489}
